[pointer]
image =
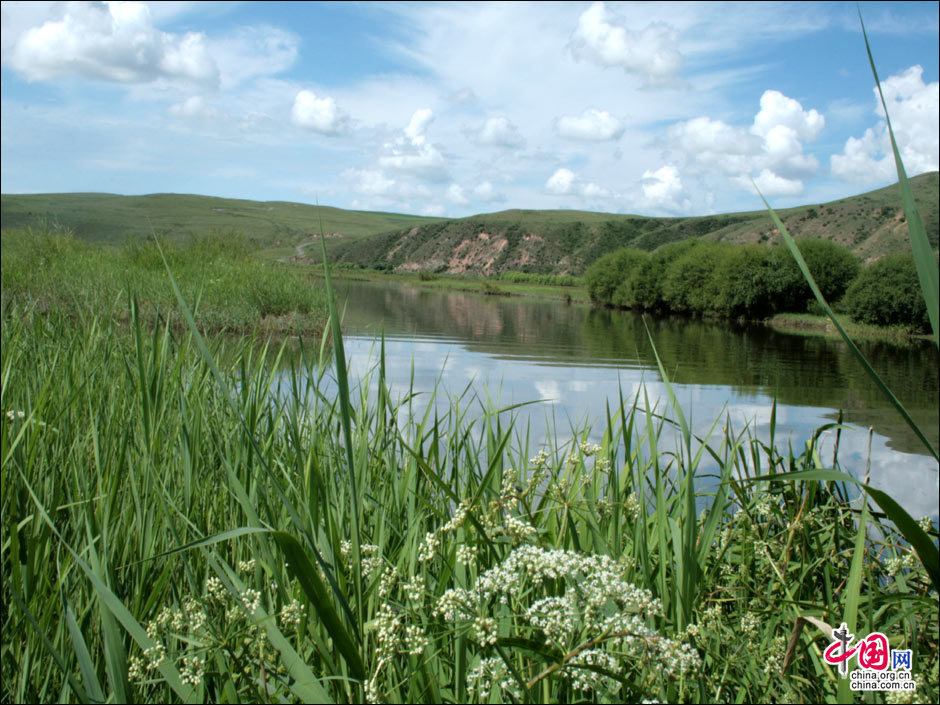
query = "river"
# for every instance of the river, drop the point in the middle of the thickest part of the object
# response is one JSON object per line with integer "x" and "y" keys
{"x": 577, "y": 360}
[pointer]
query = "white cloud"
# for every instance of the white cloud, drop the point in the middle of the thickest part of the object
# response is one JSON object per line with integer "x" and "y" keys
{"x": 375, "y": 183}
{"x": 592, "y": 126}
{"x": 484, "y": 191}
{"x": 318, "y": 114}
{"x": 456, "y": 195}
{"x": 564, "y": 182}
{"x": 771, "y": 184}
{"x": 114, "y": 42}
{"x": 663, "y": 185}
{"x": 660, "y": 191}
{"x": 561, "y": 182}
{"x": 418, "y": 125}
{"x": 770, "y": 151}
{"x": 915, "y": 119}
{"x": 195, "y": 107}
{"x": 412, "y": 153}
{"x": 651, "y": 52}
{"x": 500, "y": 132}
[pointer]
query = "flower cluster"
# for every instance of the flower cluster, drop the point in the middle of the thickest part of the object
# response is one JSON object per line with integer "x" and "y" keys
{"x": 598, "y": 609}
{"x": 219, "y": 622}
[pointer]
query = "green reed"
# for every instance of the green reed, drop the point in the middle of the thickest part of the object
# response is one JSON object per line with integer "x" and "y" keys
{"x": 177, "y": 525}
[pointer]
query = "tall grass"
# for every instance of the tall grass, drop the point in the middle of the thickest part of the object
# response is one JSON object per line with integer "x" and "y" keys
{"x": 177, "y": 525}
{"x": 227, "y": 286}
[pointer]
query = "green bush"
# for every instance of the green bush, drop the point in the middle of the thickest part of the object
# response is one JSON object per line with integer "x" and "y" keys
{"x": 741, "y": 280}
{"x": 606, "y": 274}
{"x": 832, "y": 266}
{"x": 888, "y": 293}
{"x": 689, "y": 284}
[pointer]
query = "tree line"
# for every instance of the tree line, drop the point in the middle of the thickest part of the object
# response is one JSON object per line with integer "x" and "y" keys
{"x": 754, "y": 282}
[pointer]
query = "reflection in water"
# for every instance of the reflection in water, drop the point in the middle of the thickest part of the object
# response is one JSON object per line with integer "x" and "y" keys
{"x": 578, "y": 357}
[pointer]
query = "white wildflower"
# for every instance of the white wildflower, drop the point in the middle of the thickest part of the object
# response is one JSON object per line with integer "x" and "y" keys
{"x": 428, "y": 547}
{"x": 251, "y": 600}
{"x": 193, "y": 670}
{"x": 466, "y": 554}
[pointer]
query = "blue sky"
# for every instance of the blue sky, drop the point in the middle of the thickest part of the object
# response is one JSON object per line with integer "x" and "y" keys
{"x": 453, "y": 109}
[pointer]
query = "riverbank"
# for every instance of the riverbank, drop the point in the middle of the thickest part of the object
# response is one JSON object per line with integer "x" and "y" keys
{"x": 478, "y": 285}
{"x": 811, "y": 324}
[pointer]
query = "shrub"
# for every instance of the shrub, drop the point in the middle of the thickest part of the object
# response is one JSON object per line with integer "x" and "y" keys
{"x": 689, "y": 285}
{"x": 606, "y": 274}
{"x": 832, "y": 266}
{"x": 741, "y": 280}
{"x": 888, "y": 293}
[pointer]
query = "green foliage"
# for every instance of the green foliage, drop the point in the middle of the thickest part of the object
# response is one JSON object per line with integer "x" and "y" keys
{"x": 888, "y": 293}
{"x": 741, "y": 280}
{"x": 689, "y": 284}
{"x": 202, "y": 544}
{"x": 832, "y": 266}
{"x": 708, "y": 278}
{"x": 604, "y": 276}
{"x": 52, "y": 269}
{"x": 544, "y": 279}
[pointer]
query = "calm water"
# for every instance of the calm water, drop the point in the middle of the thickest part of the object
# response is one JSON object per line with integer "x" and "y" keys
{"x": 575, "y": 359}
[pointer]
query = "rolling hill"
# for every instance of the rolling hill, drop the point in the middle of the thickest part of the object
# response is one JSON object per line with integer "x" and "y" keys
{"x": 110, "y": 218}
{"x": 544, "y": 242}
{"x": 566, "y": 242}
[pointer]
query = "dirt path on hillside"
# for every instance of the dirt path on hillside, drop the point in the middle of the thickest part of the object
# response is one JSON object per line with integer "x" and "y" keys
{"x": 299, "y": 249}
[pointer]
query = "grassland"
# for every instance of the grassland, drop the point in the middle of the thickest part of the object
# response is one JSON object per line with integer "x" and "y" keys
{"x": 274, "y": 227}
{"x": 227, "y": 285}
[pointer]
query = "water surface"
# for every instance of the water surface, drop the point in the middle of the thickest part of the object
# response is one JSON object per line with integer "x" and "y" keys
{"x": 576, "y": 360}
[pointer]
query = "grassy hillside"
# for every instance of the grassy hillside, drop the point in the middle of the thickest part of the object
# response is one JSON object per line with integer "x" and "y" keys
{"x": 544, "y": 242}
{"x": 561, "y": 242}
{"x": 277, "y": 225}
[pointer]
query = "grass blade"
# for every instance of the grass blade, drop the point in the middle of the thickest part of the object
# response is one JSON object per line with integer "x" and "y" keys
{"x": 920, "y": 245}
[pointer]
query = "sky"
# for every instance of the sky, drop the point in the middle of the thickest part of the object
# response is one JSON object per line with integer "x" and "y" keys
{"x": 451, "y": 109}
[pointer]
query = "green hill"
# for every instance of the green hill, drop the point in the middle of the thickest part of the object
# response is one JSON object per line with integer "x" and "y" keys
{"x": 566, "y": 242}
{"x": 544, "y": 242}
{"x": 111, "y": 218}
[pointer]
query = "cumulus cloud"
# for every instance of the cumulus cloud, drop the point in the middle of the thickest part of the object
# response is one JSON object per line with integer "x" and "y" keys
{"x": 318, "y": 114}
{"x": 663, "y": 185}
{"x": 375, "y": 183}
{"x": 412, "y": 153}
{"x": 564, "y": 182}
{"x": 770, "y": 183}
{"x": 113, "y": 42}
{"x": 456, "y": 195}
{"x": 500, "y": 132}
{"x": 652, "y": 53}
{"x": 484, "y": 191}
{"x": 771, "y": 150}
{"x": 915, "y": 117}
{"x": 592, "y": 126}
{"x": 195, "y": 107}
